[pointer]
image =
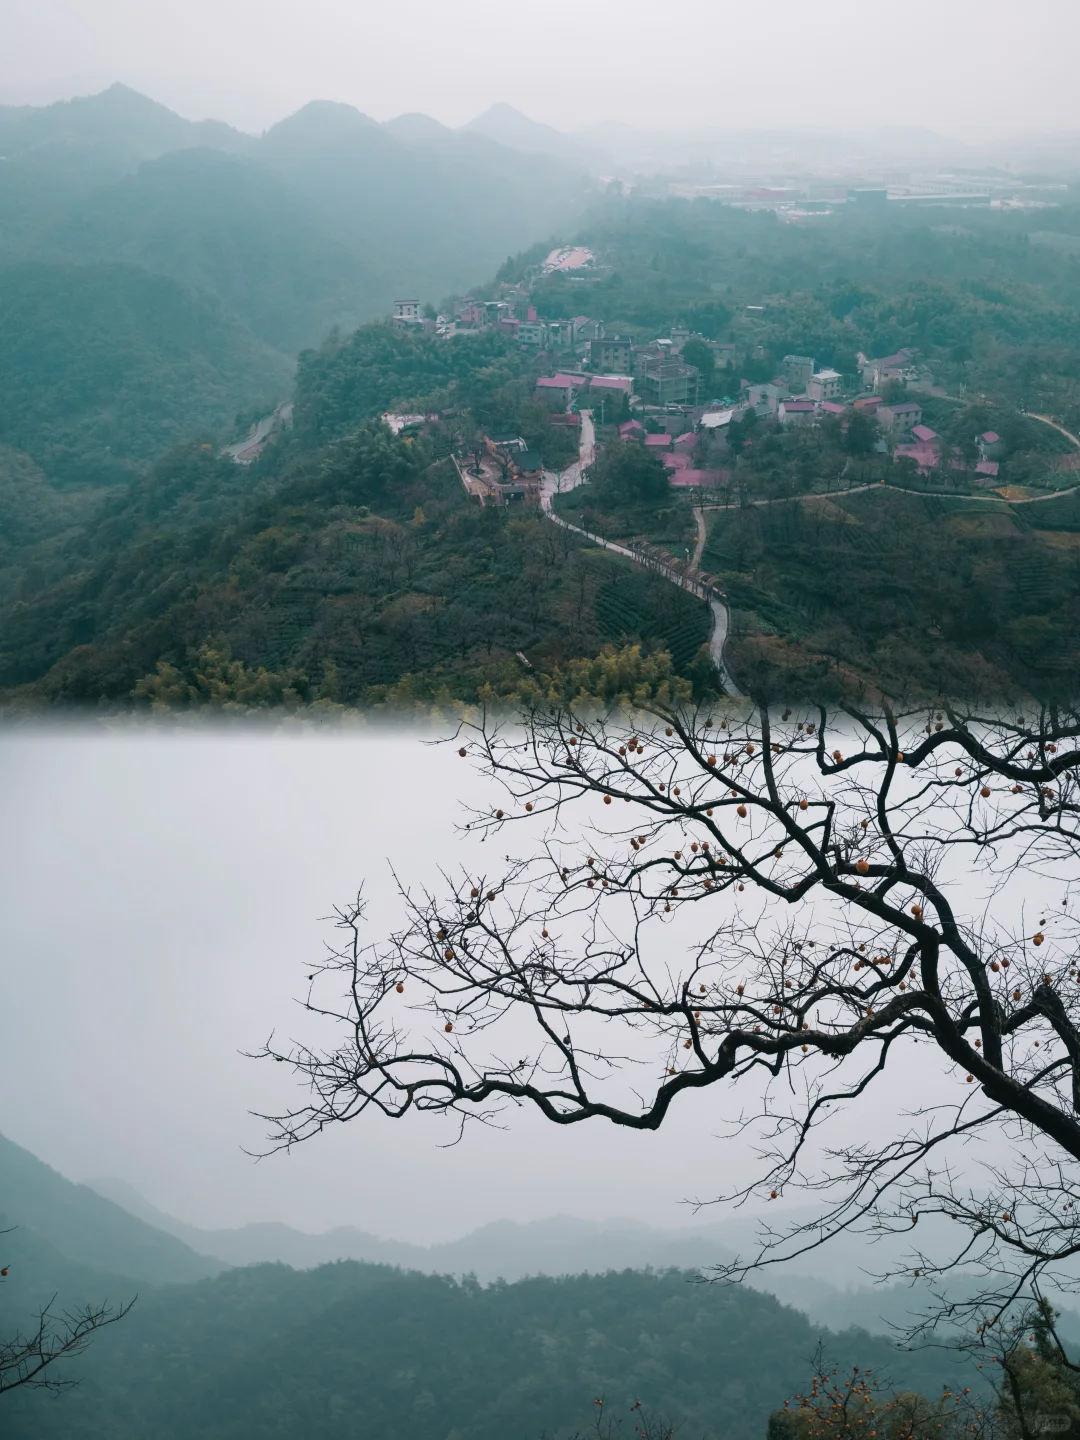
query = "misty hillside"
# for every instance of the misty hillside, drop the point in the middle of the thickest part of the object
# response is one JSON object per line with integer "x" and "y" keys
{"x": 501, "y": 1250}
{"x": 266, "y": 1349}
{"x": 75, "y": 144}
{"x": 834, "y": 1286}
{"x": 322, "y": 221}
{"x": 102, "y": 367}
{"x": 229, "y": 227}
{"x": 91, "y": 1233}
{"x": 349, "y": 1349}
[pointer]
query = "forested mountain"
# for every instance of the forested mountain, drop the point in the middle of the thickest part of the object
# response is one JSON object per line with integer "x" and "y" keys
{"x": 363, "y": 575}
{"x": 266, "y": 1349}
{"x": 230, "y": 228}
{"x": 350, "y": 567}
{"x": 322, "y": 221}
{"x": 158, "y": 276}
{"x": 54, "y": 152}
{"x": 270, "y": 1351}
{"x": 90, "y": 1232}
{"x": 833, "y": 1286}
{"x": 102, "y": 367}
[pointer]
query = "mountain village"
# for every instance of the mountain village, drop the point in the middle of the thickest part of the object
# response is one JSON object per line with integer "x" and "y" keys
{"x": 648, "y": 391}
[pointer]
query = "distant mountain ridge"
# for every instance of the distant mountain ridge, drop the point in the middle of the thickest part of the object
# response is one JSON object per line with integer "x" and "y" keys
{"x": 502, "y": 1249}
{"x": 87, "y": 1228}
{"x": 321, "y": 221}
{"x": 835, "y": 1289}
{"x": 102, "y": 1238}
{"x": 158, "y": 275}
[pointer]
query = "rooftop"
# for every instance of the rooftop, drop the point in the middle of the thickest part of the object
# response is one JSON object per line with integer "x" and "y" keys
{"x": 892, "y": 362}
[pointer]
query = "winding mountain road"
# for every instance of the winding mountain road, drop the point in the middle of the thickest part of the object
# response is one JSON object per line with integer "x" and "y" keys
{"x": 570, "y": 478}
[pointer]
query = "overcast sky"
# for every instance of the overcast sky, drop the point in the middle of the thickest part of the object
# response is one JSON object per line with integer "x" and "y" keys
{"x": 160, "y": 895}
{"x": 965, "y": 67}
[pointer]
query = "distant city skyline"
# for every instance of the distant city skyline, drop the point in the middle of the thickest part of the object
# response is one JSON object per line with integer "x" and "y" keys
{"x": 969, "y": 70}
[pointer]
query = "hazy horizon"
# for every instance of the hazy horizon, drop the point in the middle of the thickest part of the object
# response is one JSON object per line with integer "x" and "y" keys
{"x": 973, "y": 71}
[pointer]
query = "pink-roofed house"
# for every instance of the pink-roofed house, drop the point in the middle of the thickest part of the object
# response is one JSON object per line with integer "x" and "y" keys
{"x": 658, "y": 442}
{"x": 686, "y": 442}
{"x": 922, "y": 434}
{"x": 831, "y": 407}
{"x": 990, "y": 445}
{"x": 676, "y": 461}
{"x": 869, "y": 404}
{"x": 987, "y": 471}
{"x": 559, "y": 389}
{"x": 796, "y": 412}
{"x": 622, "y": 383}
{"x": 926, "y": 454}
{"x": 631, "y": 430}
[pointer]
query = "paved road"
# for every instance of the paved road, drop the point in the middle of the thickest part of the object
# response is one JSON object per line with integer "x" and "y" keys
{"x": 247, "y": 450}
{"x": 571, "y": 478}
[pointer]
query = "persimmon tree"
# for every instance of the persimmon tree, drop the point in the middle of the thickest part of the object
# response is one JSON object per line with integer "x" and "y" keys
{"x": 861, "y": 1405}
{"x": 797, "y": 913}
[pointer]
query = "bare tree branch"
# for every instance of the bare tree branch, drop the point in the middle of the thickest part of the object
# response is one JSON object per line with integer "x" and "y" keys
{"x": 860, "y": 883}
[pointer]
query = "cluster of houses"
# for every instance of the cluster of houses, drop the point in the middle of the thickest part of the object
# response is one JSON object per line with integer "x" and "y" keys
{"x": 930, "y": 453}
{"x": 610, "y": 374}
{"x": 666, "y": 399}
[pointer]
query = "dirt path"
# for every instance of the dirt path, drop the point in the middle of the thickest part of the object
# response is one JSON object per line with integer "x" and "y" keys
{"x": 702, "y": 535}
{"x": 1054, "y": 424}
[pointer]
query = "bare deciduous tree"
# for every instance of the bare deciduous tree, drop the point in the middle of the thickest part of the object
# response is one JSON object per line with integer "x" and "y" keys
{"x": 27, "y": 1357}
{"x": 871, "y": 894}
